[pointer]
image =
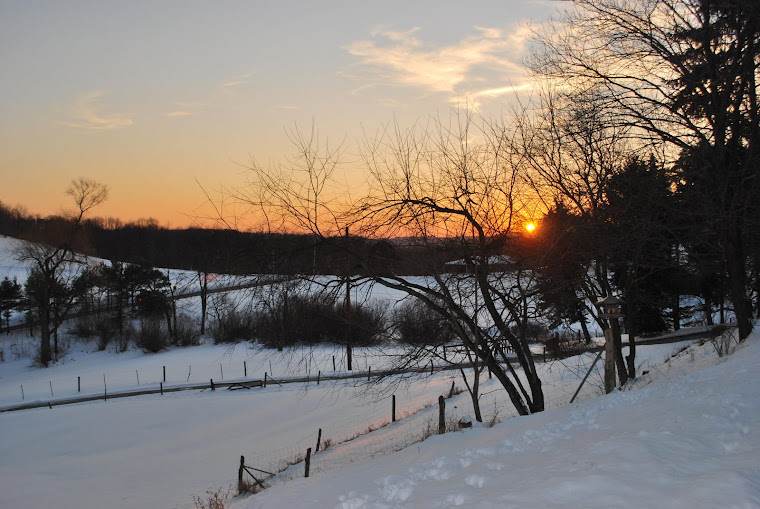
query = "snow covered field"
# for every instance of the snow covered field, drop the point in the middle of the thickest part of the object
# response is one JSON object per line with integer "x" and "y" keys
{"x": 687, "y": 437}
{"x": 682, "y": 436}
{"x": 155, "y": 451}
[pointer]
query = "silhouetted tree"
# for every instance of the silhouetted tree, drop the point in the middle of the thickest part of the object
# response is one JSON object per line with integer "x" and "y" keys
{"x": 53, "y": 265}
{"x": 10, "y": 299}
{"x": 683, "y": 75}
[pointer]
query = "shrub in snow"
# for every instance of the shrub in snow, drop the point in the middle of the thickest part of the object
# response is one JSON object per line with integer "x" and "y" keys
{"x": 229, "y": 325}
{"x": 150, "y": 337}
{"x": 185, "y": 332}
{"x": 313, "y": 319}
{"x": 416, "y": 324}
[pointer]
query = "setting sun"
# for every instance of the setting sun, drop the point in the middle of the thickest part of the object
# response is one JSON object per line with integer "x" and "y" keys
{"x": 530, "y": 227}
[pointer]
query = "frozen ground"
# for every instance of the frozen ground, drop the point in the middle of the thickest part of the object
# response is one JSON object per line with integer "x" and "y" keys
{"x": 687, "y": 437}
{"x": 683, "y": 436}
{"x": 155, "y": 451}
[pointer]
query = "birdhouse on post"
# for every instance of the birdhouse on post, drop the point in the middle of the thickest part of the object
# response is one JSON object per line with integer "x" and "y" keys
{"x": 609, "y": 307}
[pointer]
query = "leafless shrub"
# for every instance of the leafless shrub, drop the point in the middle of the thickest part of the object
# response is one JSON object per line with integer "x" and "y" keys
{"x": 216, "y": 499}
{"x": 494, "y": 420}
{"x": 230, "y": 324}
{"x": 185, "y": 333}
{"x": 150, "y": 337}
{"x": 724, "y": 342}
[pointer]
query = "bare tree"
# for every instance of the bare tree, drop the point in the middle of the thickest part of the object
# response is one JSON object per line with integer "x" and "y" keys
{"x": 55, "y": 264}
{"x": 447, "y": 188}
{"x": 572, "y": 147}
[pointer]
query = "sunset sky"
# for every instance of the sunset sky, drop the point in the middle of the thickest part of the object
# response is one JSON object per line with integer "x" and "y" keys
{"x": 151, "y": 98}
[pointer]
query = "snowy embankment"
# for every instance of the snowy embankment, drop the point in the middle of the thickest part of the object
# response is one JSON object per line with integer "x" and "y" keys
{"x": 686, "y": 438}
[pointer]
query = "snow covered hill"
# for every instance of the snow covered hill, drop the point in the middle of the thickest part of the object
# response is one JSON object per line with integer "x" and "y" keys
{"x": 679, "y": 441}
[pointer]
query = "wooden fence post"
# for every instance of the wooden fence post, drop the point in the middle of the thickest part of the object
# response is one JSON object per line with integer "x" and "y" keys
{"x": 164, "y": 373}
{"x": 105, "y": 388}
{"x": 161, "y": 384}
{"x": 245, "y": 370}
{"x": 319, "y": 440}
{"x": 319, "y": 375}
{"x": 265, "y": 378}
{"x": 308, "y": 461}
{"x": 221, "y": 370}
{"x": 393, "y": 408}
{"x": 138, "y": 377}
{"x": 441, "y": 415}
{"x": 212, "y": 385}
{"x": 431, "y": 366}
{"x": 79, "y": 384}
{"x": 22, "y": 392}
{"x": 333, "y": 363}
{"x": 241, "y": 487}
{"x": 369, "y": 373}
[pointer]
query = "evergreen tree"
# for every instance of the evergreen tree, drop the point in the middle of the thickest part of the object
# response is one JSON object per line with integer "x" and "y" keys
{"x": 10, "y": 299}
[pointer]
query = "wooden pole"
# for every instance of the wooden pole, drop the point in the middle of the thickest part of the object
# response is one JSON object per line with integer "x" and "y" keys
{"x": 441, "y": 415}
{"x": 212, "y": 385}
{"x": 164, "y": 373}
{"x": 245, "y": 370}
{"x": 79, "y": 384}
{"x": 609, "y": 360}
{"x": 308, "y": 461}
{"x": 586, "y": 376}
{"x": 22, "y": 393}
{"x": 393, "y": 408}
{"x": 333, "y": 363}
{"x": 319, "y": 375}
{"x": 369, "y": 372}
{"x": 161, "y": 385}
{"x": 348, "y": 306}
{"x": 221, "y": 370}
{"x": 319, "y": 440}
{"x": 265, "y": 378}
{"x": 241, "y": 488}
{"x": 138, "y": 377}
{"x": 105, "y": 388}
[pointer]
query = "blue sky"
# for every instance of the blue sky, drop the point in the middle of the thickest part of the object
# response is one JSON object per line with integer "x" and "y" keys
{"x": 152, "y": 97}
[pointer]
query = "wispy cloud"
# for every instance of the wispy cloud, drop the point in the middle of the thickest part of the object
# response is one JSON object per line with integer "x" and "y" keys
{"x": 483, "y": 64}
{"x": 88, "y": 114}
{"x": 185, "y": 108}
{"x": 238, "y": 80}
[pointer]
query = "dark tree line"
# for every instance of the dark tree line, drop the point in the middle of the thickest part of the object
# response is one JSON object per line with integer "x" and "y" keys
{"x": 226, "y": 251}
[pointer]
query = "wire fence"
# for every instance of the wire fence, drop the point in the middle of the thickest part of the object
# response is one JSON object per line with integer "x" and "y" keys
{"x": 343, "y": 441}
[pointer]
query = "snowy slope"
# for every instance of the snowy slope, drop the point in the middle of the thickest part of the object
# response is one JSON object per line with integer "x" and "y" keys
{"x": 681, "y": 441}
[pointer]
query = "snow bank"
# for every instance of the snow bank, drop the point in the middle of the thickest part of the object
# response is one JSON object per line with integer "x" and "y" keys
{"x": 684, "y": 442}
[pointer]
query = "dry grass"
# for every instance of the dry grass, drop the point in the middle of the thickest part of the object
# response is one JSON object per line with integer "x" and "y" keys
{"x": 215, "y": 499}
